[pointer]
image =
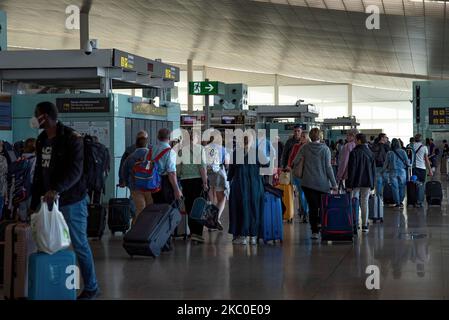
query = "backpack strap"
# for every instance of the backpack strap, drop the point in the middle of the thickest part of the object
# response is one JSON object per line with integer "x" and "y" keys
{"x": 160, "y": 155}
{"x": 149, "y": 154}
{"x": 403, "y": 161}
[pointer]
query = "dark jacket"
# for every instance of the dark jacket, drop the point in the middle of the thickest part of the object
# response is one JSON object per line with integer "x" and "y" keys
{"x": 287, "y": 150}
{"x": 361, "y": 168}
{"x": 66, "y": 167}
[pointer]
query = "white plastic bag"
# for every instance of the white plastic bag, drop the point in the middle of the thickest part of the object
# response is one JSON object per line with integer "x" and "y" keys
{"x": 50, "y": 230}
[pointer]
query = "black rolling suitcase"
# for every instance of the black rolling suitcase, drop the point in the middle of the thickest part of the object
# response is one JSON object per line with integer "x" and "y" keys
{"x": 119, "y": 214}
{"x": 152, "y": 230}
{"x": 434, "y": 193}
{"x": 96, "y": 222}
{"x": 388, "y": 194}
{"x": 415, "y": 191}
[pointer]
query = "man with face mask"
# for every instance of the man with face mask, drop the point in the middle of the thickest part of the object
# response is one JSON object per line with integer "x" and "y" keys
{"x": 140, "y": 135}
{"x": 59, "y": 173}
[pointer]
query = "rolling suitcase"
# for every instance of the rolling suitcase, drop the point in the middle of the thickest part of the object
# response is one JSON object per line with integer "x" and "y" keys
{"x": 96, "y": 221}
{"x": 388, "y": 194}
{"x": 288, "y": 200}
{"x": 48, "y": 276}
{"x": 3, "y": 226}
{"x": 152, "y": 230}
{"x": 19, "y": 245}
{"x": 337, "y": 219}
{"x": 182, "y": 230}
{"x": 272, "y": 224}
{"x": 119, "y": 215}
{"x": 415, "y": 193}
{"x": 434, "y": 193}
{"x": 376, "y": 209}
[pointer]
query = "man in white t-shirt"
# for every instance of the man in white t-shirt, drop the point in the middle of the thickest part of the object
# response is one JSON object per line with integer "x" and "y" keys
{"x": 422, "y": 161}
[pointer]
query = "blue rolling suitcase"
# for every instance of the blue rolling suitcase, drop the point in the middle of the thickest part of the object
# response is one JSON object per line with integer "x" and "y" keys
{"x": 49, "y": 276}
{"x": 337, "y": 219}
{"x": 273, "y": 226}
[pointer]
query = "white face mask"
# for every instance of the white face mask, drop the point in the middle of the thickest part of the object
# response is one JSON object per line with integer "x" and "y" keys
{"x": 34, "y": 123}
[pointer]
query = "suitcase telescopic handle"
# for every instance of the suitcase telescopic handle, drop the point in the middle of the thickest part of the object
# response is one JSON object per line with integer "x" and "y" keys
{"x": 116, "y": 191}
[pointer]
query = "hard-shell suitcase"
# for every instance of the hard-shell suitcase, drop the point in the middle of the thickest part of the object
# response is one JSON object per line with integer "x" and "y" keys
{"x": 96, "y": 222}
{"x": 119, "y": 214}
{"x": 376, "y": 209}
{"x": 152, "y": 230}
{"x": 434, "y": 193}
{"x": 388, "y": 194}
{"x": 415, "y": 193}
{"x": 288, "y": 200}
{"x": 272, "y": 224}
{"x": 19, "y": 245}
{"x": 3, "y": 226}
{"x": 50, "y": 276}
{"x": 337, "y": 219}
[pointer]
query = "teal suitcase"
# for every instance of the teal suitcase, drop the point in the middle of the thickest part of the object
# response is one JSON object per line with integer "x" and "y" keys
{"x": 50, "y": 276}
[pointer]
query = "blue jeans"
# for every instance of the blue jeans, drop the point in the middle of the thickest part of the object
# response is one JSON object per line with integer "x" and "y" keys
{"x": 379, "y": 182}
{"x": 76, "y": 218}
{"x": 302, "y": 196}
{"x": 398, "y": 180}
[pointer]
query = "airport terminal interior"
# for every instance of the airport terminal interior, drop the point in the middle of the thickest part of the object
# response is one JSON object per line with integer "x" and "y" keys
{"x": 367, "y": 80}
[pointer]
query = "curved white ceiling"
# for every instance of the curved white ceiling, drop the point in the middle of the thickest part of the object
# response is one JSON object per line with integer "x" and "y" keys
{"x": 313, "y": 39}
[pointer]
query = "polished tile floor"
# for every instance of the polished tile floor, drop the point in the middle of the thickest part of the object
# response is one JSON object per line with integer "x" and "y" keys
{"x": 411, "y": 250}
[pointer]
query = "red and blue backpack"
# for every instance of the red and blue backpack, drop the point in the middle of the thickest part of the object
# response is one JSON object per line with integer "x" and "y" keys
{"x": 146, "y": 172}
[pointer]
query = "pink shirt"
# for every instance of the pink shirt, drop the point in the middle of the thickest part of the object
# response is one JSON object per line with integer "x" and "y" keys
{"x": 342, "y": 173}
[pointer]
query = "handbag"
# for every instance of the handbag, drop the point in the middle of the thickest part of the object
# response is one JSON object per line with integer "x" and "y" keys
{"x": 205, "y": 212}
{"x": 298, "y": 169}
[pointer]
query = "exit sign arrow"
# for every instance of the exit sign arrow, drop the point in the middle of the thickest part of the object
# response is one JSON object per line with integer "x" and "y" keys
{"x": 210, "y": 87}
{"x": 204, "y": 88}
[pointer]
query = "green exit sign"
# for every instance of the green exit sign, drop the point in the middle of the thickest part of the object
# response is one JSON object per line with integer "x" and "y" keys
{"x": 203, "y": 88}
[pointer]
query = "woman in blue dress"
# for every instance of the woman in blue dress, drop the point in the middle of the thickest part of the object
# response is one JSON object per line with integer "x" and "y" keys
{"x": 246, "y": 199}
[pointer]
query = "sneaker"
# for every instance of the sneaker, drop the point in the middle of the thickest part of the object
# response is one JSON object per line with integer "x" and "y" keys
{"x": 219, "y": 226}
{"x": 401, "y": 205}
{"x": 197, "y": 238}
{"x": 254, "y": 241}
{"x": 365, "y": 229}
{"x": 305, "y": 220}
{"x": 240, "y": 240}
{"x": 89, "y": 295}
{"x": 315, "y": 236}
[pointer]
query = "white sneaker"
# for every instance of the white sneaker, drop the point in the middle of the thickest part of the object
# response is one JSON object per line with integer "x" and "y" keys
{"x": 240, "y": 240}
{"x": 315, "y": 236}
{"x": 254, "y": 241}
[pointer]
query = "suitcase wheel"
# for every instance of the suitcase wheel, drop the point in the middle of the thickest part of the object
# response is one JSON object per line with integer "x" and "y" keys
{"x": 381, "y": 220}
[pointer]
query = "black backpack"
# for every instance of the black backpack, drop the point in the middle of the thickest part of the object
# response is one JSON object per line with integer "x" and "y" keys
{"x": 96, "y": 165}
{"x": 380, "y": 154}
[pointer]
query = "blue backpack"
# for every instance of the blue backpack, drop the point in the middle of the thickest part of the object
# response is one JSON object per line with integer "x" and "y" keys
{"x": 146, "y": 173}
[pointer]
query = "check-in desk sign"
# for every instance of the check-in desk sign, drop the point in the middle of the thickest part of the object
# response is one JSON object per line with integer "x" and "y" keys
{"x": 83, "y": 105}
{"x": 149, "y": 109}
